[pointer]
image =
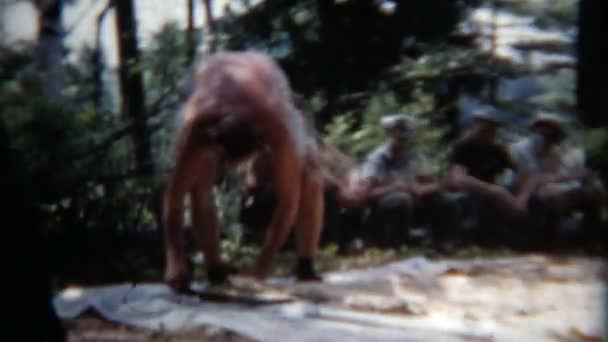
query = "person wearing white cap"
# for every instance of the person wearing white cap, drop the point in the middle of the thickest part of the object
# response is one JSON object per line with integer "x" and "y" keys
{"x": 393, "y": 159}
{"x": 385, "y": 183}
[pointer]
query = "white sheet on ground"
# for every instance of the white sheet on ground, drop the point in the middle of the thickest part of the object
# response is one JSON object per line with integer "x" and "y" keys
{"x": 529, "y": 298}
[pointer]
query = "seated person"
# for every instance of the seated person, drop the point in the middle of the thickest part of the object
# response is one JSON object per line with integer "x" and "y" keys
{"x": 562, "y": 184}
{"x": 475, "y": 163}
{"x": 383, "y": 186}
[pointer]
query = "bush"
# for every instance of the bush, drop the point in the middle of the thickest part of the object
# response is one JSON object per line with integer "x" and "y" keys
{"x": 358, "y": 138}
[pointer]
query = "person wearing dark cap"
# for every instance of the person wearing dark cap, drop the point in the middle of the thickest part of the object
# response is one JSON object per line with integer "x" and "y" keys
{"x": 553, "y": 171}
{"x": 543, "y": 152}
{"x": 385, "y": 183}
{"x": 480, "y": 152}
{"x": 474, "y": 164}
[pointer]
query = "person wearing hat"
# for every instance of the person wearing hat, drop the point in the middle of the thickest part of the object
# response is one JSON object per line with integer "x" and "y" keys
{"x": 394, "y": 159}
{"x": 475, "y": 163}
{"x": 542, "y": 151}
{"x": 479, "y": 152}
{"x": 384, "y": 186}
{"x": 552, "y": 173}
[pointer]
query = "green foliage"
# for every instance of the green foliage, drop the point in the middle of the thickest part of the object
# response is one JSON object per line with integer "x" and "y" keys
{"x": 560, "y": 91}
{"x": 338, "y": 46}
{"x": 439, "y": 61}
{"x": 237, "y": 252}
{"x": 165, "y": 67}
{"x": 45, "y": 135}
{"x": 14, "y": 62}
{"x": 165, "y": 61}
{"x": 228, "y": 198}
{"x": 547, "y": 13}
{"x": 359, "y": 138}
{"x": 412, "y": 86}
{"x": 75, "y": 184}
{"x": 596, "y": 145}
{"x": 79, "y": 162}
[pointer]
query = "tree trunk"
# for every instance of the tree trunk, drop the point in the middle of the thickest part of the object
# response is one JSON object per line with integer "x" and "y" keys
{"x": 592, "y": 86}
{"x": 190, "y": 36}
{"x": 131, "y": 83}
{"x": 209, "y": 15}
{"x": 50, "y": 47}
{"x": 211, "y": 45}
{"x": 98, "y": 60}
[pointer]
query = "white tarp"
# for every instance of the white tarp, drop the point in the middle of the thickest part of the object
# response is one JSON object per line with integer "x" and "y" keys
{"x": 529, "y": 298}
